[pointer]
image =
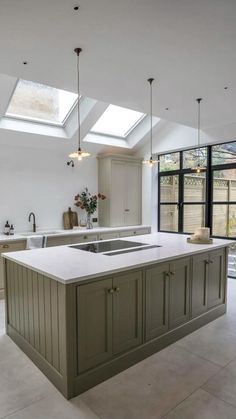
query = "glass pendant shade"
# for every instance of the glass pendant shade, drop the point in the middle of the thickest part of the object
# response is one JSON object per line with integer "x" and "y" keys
{"x": 151, "y": 161}
{"x": 199, "y": 168}
{"x": 79, "y": 154}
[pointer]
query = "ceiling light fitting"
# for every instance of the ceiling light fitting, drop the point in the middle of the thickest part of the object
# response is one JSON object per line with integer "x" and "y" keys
{"x": 79, "y": 154}
{"x": 199, "y": 168}
{"x": 151, "y": 161}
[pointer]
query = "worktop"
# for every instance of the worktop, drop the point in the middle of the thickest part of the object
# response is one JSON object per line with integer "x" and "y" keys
{"x": 67, "y": 265}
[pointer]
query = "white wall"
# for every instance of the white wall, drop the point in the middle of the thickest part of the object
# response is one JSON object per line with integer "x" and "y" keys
{"x": 36, "y": 178}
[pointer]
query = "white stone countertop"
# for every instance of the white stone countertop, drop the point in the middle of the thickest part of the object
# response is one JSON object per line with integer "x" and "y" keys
{"x": 76, "y": 231}
{"x": 67, "y": 265}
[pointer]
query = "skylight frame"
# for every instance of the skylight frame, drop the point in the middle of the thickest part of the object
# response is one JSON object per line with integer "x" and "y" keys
{"x": 127, "y": 133}
{"x": 35, "y": 120}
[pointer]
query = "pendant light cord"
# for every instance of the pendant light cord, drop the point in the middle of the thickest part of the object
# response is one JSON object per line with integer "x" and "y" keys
{"x": 150, "y": 82}
{"x": 78, "y": 51}
{"x": 199, "y": 119}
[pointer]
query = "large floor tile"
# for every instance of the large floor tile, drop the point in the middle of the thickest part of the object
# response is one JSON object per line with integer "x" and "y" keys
{"x": 55, "y": 407}
{"x": 150, "y": 388}
{"x": 223, "y": 384}
{"x": 202, "y": 405}
{"x": 213, "y": 342}
{"x": 21, "y": 382}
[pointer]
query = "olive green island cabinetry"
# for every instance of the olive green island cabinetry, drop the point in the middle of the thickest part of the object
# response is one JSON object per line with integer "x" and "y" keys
{"x": 82, "y": 330}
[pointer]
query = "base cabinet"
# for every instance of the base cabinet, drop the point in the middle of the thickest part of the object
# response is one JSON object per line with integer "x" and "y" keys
{"x": 110, "y": 318}
{"x": 95, "y": 323}
{"x": 5, "y": 248}
{"x": 199, "y": 284}
{"x": 208, "y": 281}
{"x": 179, "y": 292}
{"x": 157, "y": 301}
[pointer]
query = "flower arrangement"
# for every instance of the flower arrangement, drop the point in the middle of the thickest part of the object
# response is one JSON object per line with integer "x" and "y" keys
{"x": 88, "y": 202}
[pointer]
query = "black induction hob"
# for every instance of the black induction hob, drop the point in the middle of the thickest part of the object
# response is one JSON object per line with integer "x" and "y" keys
{"x": 107, "y": 246}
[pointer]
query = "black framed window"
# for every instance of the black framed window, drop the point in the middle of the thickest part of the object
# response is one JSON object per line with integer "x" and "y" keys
{"x": 182, "y": 193}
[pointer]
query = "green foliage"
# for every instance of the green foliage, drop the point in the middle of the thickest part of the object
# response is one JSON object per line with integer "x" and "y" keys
{"x": 87, "y": 201}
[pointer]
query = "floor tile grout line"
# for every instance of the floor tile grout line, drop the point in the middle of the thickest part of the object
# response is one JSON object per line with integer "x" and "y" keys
{"x": 198, "y": 388}
{"x": 219, "y": 398}
{"x": 24, "y": 407}
{"x": 201, "y": 357}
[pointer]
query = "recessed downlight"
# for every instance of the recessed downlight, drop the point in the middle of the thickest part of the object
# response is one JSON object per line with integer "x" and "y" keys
{"x": 167, "y": 109}
{"x": 76, "y": 7}
{"x": 25, "y": 62}
{"x": 226, "y": 87}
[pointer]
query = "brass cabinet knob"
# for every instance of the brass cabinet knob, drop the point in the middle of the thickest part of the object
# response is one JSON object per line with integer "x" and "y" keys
{"x": 5, "y": 246}
{"x": 110, "y": 291}
{"x": 117, "y": 289}
{"x": 172, "y": 273}
{"x": 167, "y": 274}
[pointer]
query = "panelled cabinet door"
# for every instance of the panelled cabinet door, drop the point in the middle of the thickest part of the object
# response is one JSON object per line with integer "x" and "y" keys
{"x": 133, "y": 204}
{"x": 179, "y": 292}
{"x": 127, "y": 311}
{"x": 199, "y": 284}
{"x": 157, "y": 295}
{"x": 94, "y": 323}
{"x": 216, "y": 278}
{"x": 117, "y": 198}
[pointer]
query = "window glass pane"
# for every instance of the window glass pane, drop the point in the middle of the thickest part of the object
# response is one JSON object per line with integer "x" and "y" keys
{"x": 224, "y": 153}
{"x": 194, "y": 217}
{"x": 169, "y": 162}
{"x": 224, "y": 220}
{"x": 224, "y": 185}
{"x": 169, "y": 188}
{"x": 195, "y": 187}
{"x": 41, "y": 103}
{"x": 169, "y": 217}
{"x": 117, "y": 121}
{"x": 193, "y": 157}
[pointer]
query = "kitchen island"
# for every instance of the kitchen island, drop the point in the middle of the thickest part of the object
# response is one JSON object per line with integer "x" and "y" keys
{"x": 83, "y": 316}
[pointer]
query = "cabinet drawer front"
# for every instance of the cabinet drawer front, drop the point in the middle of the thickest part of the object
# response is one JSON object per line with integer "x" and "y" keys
{"x": 58, "y": 241}
{"x": 107, "y": 236}
{"x": 179, "y": 292}
{"x": 12, "y": 247}
{"x": 89, "y": 237}
{"x": 94, "y": 308}
{"x": 216, "y": 278}
{"x": 127, "y": 311}
{"x": 157, "y": 292}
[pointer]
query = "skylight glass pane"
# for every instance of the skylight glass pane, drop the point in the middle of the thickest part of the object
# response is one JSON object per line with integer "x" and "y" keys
{"x": 117, "y": 121}
{"x": 38, "y": 102}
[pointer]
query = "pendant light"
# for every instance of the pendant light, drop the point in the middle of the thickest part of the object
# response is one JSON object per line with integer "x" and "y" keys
{"x": 199, "y": 168}
{"x": 79, "y": 154}
{"x": 151, "y": 161}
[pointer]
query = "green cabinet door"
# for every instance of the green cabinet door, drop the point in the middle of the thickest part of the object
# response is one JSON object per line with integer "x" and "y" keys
{"x": 127, "y": 311}
{"x": 179, "y": 292}
{"x": 216, "y": 278}
{"x": 94, "y": 305}
{"x": 199, "y": 284}
{"x": 157, "y": 296}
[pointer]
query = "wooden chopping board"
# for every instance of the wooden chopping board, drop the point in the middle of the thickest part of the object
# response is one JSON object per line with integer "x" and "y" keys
{"x": 70, "y": 219}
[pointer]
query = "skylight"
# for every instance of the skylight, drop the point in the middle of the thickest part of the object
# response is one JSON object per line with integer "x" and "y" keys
{"x": 117, "y": 121}
{"x": 40, "y": 103}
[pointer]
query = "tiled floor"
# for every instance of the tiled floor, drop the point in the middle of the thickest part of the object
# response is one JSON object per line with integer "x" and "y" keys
{"x": 193, "y": 379}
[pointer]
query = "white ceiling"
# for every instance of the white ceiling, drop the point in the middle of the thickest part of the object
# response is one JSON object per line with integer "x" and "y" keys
{"x": 188, "y": 46}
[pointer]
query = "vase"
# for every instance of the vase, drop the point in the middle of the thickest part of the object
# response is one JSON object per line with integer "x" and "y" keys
{"x": 89, "y": 224}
